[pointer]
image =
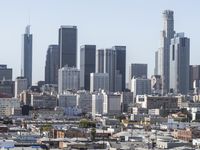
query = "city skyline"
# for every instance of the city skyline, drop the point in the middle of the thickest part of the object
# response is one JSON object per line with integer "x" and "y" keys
{"x": 119, "y": 28}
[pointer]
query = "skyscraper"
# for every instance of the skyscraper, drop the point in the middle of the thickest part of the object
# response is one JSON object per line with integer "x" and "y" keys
{"x": 52, "y": 65}
{"x": 179, "y": 64}
{"x": 20, "y": 85}
{"x": 68, "y": 46}
{"x": 137, "y": 71}
{"x": 163, "y": 54}
{"x": 87, "y": 65}
{"x": 100, "y": 61}
{"x": 110, "y": 67}
{"x": 121, "y": 63}
{"x": 26, "y": 70}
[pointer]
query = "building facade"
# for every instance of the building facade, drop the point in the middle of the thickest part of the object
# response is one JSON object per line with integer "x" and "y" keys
{"x": 68, "y": 79}
{"x": 21, "y": 84}
{"x": 87, "y": 65}
{"x": 26, "y": 70}
{"x": 163, "y": 53}
{"x": 179, "y": 64}
{"x": 99, "y": 81}
{"x": 68, "y": 46}
{"x": 5, "y": 73}
{"x": 137, "y": 71}
{"x": 52, "y": 65}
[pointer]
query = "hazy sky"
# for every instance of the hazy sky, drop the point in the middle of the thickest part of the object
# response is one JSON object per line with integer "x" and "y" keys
{"x": 134, "y": 23}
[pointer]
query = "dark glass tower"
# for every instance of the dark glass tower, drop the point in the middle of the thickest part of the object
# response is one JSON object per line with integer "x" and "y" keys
{"x": 68, "y": 46}
{"x": 52, "y": 65}
{"x": 121, "y": 63}
{"x": 26, "y": 70}
{"x": 87, "y": 64}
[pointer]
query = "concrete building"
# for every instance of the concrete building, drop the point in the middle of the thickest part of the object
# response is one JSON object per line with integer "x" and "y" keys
{"x": 163, "y": 53}
{"x": 141, "y": 86}
{"x": 26, "y": 70}
{"x": 52, "y": 65}
{"x": 126, "y": 100}
{"x": 8, "y": 105}
{"x": 84, "y": 101}
{"x": 5, "y": 73}
{"x": 121, "y": 64}
{"x": 68, "y": 79}
{"x": 99, "y": 81}
{"x": 21, "y": 84}
{"x": 87, "y": 65}
{"x": 112, "y": 104}
{"x": 43, "y": 101}
{"x": 179, "y": 64}
{"x": 68, "y": 46}
{"x": 67, "y": 100}
{"x": 157, "y": 102}
{"x": 97, "y": 103}
{"x": 137, "y": 71}
{"x": 7, "y": 88}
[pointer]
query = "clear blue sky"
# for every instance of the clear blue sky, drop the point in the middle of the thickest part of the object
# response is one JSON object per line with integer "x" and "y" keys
{"x": 134, "y": 23}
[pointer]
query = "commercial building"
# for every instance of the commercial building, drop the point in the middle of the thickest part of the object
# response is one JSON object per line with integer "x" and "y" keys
{"x": 21, "y": 84}
{"x": 68, "y": 46}
{"x": 163, "y": 53}
{"x": 179, "y": 64}
{"x": 26, "y": 70}
{"x": 52, "y": 65}
{"x": 87, "y": 65}
{"x": 5, "y": 73}
{"x": 137, "y": 71}
{"x": 68, "y": 79}
{"x": 99, "y": 81}
{"x": 141, "y": 86}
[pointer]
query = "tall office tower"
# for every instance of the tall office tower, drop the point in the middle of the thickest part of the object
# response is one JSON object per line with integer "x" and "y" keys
{"x": 87, "y": 65}
{"x": 137, "y": 71}
{"x": 140, "y": 86}
{"x": 68, "y": 46}
{"x": 20, "y": 85}
{"x": 5, "y": 73}
{"x": 52, "y": 65}
{"x": 110, "y": 67}
{"x": 100, "y": 61}
{"x": 163, "y": 54}
{"x": 121, "y": 63}
{"x": 99, "y": 81}
{"x": 26, "y": 70}
{"x": 68, "y": 79}
{"x": 179, "y": 63}
{"x": 194, "y": 75}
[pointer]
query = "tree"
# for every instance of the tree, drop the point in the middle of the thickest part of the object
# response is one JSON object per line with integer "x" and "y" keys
{"x": 93, "y": 134}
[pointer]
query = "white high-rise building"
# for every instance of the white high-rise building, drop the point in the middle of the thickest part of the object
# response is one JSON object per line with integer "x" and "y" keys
{"x": 99, "y": 81}
{"x": 68, "y": 79}
{"x": 179, "y": 63}
{"x": 21, "y": 84}
{"x": 141, "y": 86}
{"x": 97, "y": 104}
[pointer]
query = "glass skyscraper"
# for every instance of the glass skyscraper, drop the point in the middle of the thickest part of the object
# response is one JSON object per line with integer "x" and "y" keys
{"x": 68, "y": 46}
{"x": 26, "y": 70}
